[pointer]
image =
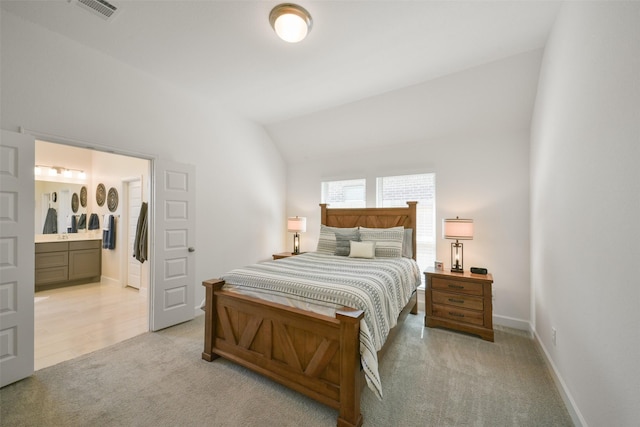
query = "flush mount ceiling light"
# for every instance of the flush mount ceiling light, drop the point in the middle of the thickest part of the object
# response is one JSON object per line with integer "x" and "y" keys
{"x": 291, "y": 22}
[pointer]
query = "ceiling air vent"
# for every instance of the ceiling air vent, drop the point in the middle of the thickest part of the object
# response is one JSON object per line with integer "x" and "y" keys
{"x": 101, "y": 8}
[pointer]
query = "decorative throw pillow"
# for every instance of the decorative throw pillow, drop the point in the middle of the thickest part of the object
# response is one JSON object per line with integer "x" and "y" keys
{"x": 388, "y": 240}
{"x": 328, "y": 242}
{"x": 343, "y": 237}
{"x": 362, "y": 249}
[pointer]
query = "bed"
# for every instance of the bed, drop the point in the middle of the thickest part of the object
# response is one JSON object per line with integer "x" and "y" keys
{"x": 313, "y": 352}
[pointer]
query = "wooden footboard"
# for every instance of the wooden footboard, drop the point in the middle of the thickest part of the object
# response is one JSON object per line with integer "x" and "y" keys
{"x": 316, "y": 355}
{"x": 313, "y": 354}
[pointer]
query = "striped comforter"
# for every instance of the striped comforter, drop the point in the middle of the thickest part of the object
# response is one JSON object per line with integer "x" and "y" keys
{"x": 321, "y": 283}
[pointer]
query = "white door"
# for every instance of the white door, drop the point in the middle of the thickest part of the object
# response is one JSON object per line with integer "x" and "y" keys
{"x": 64, "y": 211}
{"x": 173, "y": 260}
{"x": 17, "y": 216}
{"x": 134, "y": 202}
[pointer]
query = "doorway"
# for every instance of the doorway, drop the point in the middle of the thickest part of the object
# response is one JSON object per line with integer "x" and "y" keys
{"x": 172, "y": 231}
{"x": 74, "y": 320}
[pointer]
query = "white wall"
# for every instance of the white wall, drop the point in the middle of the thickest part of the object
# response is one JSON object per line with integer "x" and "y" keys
{"x": 481, "y": 177}
{"x": 50, "y": 84}
{"x": 585, "y": 205}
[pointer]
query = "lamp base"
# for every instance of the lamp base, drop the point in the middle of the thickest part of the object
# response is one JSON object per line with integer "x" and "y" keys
{"x": 456, "y": 257}
{"x": 296, "y": 244}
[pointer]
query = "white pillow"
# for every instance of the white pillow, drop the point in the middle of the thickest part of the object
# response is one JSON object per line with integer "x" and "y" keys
{"x": 362, "y": 249}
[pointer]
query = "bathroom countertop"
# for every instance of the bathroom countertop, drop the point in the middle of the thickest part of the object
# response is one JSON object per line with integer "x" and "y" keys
{"x": 68, "y": 237}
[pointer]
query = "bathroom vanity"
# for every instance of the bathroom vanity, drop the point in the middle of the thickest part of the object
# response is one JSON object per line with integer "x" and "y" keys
{"x": 64, "y": 260}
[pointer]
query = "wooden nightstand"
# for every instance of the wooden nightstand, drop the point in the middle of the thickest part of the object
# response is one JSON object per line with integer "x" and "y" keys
{"x": 460, "y": 301}
{"x": 283, "y": 255}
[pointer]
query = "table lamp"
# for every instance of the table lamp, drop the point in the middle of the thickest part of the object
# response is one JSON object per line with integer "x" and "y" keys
{"x": 457, "y": 229}
{"x": 296, "y": 225}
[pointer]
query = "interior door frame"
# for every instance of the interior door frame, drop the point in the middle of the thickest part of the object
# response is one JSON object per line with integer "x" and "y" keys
{"x": 124, "y": 262}
{"x": 111, "y": 150}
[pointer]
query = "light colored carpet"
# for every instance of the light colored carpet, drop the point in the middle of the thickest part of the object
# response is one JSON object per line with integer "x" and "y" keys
{"x": 431, "y": 377}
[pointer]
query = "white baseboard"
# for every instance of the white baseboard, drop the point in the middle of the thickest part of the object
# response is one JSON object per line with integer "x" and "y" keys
{"x": 574, "y": 412}
{"x": 109, "y": 281}
{"x": 198, "y": 311}
{"x": 422, "y": 308}
{"x": 511, "y": 322}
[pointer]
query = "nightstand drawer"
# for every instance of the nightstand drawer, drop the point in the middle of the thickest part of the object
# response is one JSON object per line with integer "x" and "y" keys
{"x": 458, "y": 300}
{"x": 458, "y": 314}
{"x": 461, "y": 286}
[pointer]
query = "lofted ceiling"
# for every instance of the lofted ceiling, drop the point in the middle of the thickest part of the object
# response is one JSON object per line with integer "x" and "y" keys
{"x": 226, "y": 51}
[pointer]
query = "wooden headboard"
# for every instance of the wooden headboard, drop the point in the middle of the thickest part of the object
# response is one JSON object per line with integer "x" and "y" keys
{"x": 371, "y": 218}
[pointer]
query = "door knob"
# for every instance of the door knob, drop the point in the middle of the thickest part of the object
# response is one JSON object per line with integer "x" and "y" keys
{"x": 192, "y": 249}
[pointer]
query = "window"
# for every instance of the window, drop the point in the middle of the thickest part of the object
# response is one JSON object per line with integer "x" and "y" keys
{"x": 395, "y": 191}
{"x": 345, "y": 194}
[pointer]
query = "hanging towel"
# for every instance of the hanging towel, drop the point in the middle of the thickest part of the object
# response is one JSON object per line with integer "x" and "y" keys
{"x": 109, "y": 234}
{"x": 72, "y": 224}
{"x": 140, "y": 242}
{"x": 82, "y": 222}
{"x": 51, "y": 222}
{"x": 94, "y": 222}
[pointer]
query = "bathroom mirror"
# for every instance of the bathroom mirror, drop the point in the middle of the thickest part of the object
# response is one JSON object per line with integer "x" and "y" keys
{"x": 59, "y": 196}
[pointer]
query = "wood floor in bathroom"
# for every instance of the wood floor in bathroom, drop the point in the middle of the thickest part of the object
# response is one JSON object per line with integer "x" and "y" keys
{"x": 76, "y": 320}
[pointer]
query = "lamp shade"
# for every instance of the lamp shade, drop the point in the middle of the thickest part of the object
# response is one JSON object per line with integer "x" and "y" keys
{"x": 291, "y": 22}
{"x": 457, "y": 229}
{"x": 297, "y": 224}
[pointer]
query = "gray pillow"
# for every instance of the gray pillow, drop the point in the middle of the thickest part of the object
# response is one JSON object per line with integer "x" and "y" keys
{"x": 328, "y": 241}
{"x": 343, "y": 240}
{"x": 407, "y": 243}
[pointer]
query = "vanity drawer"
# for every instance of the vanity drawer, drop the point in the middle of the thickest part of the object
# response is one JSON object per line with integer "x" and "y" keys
{"x": 458, "y": 286}
{"x": 458, "y": 300}
{"x": 52, "y": 259}
{"x": 85, "y": 244}
{"x": 52, "y": 247}
{"x": 45, "y": 276}
{"x": 458, "y": 314}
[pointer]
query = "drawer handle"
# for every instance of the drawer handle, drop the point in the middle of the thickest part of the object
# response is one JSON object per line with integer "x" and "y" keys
{"x": 456, "y": 286}
{"x": 456, "y": 314}
{"x": 459, "y": 301}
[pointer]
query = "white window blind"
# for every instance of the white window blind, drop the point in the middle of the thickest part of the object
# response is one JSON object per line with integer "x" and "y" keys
{"x": 396, "y": 191}
{"x": 345, "y": 194}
